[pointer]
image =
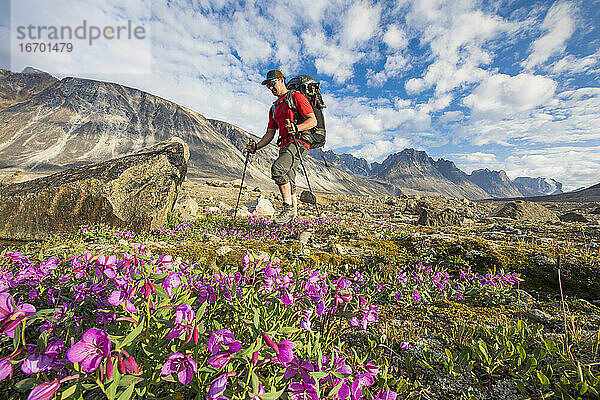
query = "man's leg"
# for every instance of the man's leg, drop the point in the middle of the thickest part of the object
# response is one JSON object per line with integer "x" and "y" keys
{"x": 286, "y": 193}
{"x": 295, "y": 204}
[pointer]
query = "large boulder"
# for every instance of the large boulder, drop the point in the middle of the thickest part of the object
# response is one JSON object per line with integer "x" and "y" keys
{"x": 16, "y": 177}
{"x": 525, "y": 210}
{"x": 434, "y": 217}
{"x": 134, "y": 192}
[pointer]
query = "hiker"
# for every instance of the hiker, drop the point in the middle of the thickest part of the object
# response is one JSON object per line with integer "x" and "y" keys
{"x": 281, "y": 117}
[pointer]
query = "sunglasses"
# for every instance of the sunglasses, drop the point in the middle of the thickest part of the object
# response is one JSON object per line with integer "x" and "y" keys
{"x": 270, "y": 84}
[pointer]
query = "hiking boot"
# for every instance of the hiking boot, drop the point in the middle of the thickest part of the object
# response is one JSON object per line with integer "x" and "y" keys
{"x": 286, "y": 214}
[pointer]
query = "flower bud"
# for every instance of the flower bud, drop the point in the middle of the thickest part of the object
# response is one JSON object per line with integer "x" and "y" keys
{"x": 270, "y": 342}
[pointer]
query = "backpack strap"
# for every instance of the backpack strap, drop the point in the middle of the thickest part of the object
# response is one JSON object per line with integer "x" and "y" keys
{"x": 289, "y": 100}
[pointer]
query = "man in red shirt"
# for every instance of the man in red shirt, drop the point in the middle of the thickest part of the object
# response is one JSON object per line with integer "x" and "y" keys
{"x": 281, "y": 118}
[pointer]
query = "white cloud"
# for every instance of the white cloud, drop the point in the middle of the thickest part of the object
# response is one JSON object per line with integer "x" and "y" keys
{"x": 451, "y": 116}
{"x": 476, "y": 158}
{"x": 393, "y": 67}
{"x": 573, "y": 166}
{"x": 360, "y": 24}
{"x": 571, "y": 64}
{"x": 380, "y": 148}
{"x": 501, "y": 94}
{"x": 559, "y": 25}
{"x": 395, "y": 38}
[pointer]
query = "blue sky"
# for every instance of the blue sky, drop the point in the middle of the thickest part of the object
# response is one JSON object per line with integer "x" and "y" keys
{"x": 510, "y": 85}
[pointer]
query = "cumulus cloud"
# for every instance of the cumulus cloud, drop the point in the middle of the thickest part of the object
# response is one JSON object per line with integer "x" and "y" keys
{"x": 393, "y": 67}
{"x": 360, "y": 24}
{"x": 571, "y": 64}
{"x": 380, "y": 148}
{"x": 559, "y": 25}
{"x": 395, "y": 38}
{"x": 501, "y": 94}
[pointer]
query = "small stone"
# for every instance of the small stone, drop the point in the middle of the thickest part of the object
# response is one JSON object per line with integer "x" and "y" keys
{"x": 209, "y": 237}
{"x": 221, "y": 251}
{"x": 304, "y": 237}
{"x": 224, "y": 206}
{"x": 524, "y": 297}
{"x": 123, "y": 242}
{"x": 539, "y": 316}
{"x": 186, "y": 207}
{"x": 213, "y": 209}
{"x": 263, "y": 255}
{"x": 306, "y": 251}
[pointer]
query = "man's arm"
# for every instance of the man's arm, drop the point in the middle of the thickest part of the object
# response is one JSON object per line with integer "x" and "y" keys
{"x": 309, "y": 123}
{"x": 266, "y": 139}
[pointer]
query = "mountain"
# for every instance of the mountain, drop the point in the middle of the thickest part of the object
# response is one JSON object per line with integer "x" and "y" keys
{"x": 52, "y": 124}
{"x": 413, "y": 170}
{"x": 16, "y": 87}
{"x": 587, "y": 195}
{"x": 537, "y": 186}
{"x": 357, "y": 166}
{"x": 496, "y": 183}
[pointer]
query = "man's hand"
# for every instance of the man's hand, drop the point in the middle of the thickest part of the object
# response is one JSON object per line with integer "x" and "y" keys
{"x": 291, "y": 127}
{"x": 251, "y": 146}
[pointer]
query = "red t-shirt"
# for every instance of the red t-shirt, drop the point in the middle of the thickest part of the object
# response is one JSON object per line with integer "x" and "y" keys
{"x": 283, "y": 112}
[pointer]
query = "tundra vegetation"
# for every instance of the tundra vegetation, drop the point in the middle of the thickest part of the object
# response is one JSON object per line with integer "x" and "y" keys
{"x": 219, "y": 309}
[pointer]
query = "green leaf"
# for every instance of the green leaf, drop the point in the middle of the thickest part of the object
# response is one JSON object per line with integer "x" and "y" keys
{"x": 40, "y": 314}
{"x": 25, "y": 384}
{"x": 255, "y": 382}
{"x": 126, "y": 395}
{"x": 17, "y": 336}
{"x": 162, "y": 292}
{"x": 128, "y": 380}
{"x": 449, "y": 355}
{"x": 272, "y": 395}
{"x": 132, "y": 335}
{"x": 68, "y": 392}
{"x": 256, "y": 319}
{"x": 318, "y": 374}
{"x": 543, "y": 378}
{"x": 335, "y": 389}
{"x": 289, "y": 329}
{"x": 521, "y": 387}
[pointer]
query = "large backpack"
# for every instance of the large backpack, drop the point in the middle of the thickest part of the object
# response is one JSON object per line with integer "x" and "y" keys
{"x": 310, "y": 88}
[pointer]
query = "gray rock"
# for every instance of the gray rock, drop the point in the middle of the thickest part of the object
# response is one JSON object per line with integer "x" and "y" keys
{"x": 263, "y": 255}
{"x": 524, "y": 297}
{"x": 224, "y": 206}
{"x": 209, "y": 237}
{"x": 596, "y": 210}
{"x": 186, "y": 207}
{"x": 242, "y": 212}
{"x": 539, "y": 316}
{"x": 431, "y": 217}
{"x": 261, "y": 207}
{"x": 525, "y": 210}
{"x": 573, "y": 217}
{"x": 542, "y": 260}
{"x": 134, "y": 192}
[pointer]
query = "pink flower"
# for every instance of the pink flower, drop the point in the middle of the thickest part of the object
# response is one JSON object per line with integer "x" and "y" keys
{"x": 286, "y": 353}
{"x": 222, "y": 359}
{"x": 299, "y": 367}
{"x": 6, "y": 368}
{"x": 416, "y": 296}
{"x": 217, "y": 387}
{"x": 288, "y": 299}
{"x": 91, "y": 350}
{"x": 386, "y": 395}
{"x": 12, "y": 314}
{"x": 45, "y": 391}
{"x": 222, "y": 336}
{"x": 360, "y": 381}
{"x": 184, "y": 366}
{"x": 303, "y": 391}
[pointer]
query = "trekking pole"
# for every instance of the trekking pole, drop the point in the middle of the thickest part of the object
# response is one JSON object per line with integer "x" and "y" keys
{"x": 242, "y": 184}
{"x": 306, "y": 175}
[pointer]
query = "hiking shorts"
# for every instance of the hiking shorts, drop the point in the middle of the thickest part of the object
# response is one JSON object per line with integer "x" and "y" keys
{"x": 283, "y": 169}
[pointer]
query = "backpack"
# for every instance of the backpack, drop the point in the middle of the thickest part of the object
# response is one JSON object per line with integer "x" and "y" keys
{"x": 310, "y": 88}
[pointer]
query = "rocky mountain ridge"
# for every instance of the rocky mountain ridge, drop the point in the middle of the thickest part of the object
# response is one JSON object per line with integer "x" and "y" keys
{"x": 51, "y": 124}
